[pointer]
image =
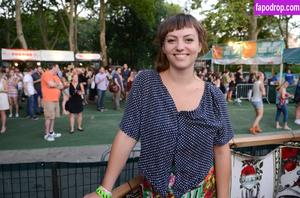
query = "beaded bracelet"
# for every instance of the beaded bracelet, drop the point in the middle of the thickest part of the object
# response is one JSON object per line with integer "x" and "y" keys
{"x": 103, "y": 193}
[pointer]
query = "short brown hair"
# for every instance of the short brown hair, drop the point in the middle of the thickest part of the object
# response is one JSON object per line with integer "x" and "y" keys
{"x": 172, "y": 23}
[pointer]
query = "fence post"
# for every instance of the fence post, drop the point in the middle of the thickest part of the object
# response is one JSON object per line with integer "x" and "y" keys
{"x": 55, "y": 189}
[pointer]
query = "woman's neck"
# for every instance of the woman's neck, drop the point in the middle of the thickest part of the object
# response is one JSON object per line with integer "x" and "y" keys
{"x": 182, "y": 77}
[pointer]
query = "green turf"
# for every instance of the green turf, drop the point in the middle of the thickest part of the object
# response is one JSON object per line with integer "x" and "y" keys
{"x": 100, "y": 128}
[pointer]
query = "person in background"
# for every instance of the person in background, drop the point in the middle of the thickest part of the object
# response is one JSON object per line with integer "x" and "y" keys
{"x": 20, "y": 76}
{"x": 51, "y": 87}
{"x": 102, "y": 82}
{"x": 273, "y": 80}
{"x": 12, "y": 83}
{"x": 29, "y": 92}
{"x": 289, "y": 77}
{"x": 4, "y": 105}
{"x": 258, "y": 91}
{"x": 36, "y": 76}
{"x": 297, "y": 101}
{"x": 125, "y": 75}
{"x": 75, "y": 103}
{"x": 225, "y": 82}
{"x": 281, "y": 104}
{"x": 117, "y": 79}
{"x": 130, "y": 81}
{"x": 183, "y": 139}
{"x": 231, "y": 88}
{"x": 83, "y": 79}
{"x": 65, "y": 93}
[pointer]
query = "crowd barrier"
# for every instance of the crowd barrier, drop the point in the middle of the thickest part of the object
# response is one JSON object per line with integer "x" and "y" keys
{"x": 272, "y": 173}
{"x": 57, "y": 179}
{"x": 244, "y": 91}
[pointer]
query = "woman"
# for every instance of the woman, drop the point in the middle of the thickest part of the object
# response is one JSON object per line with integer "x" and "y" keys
{"x": 297, "y": 101}
{"x": 4, "y": 105}
{"x": 75, "y": 103}
{"x": 130, "y": 81}
{"x": 181, "y": 121}
{"x": 12, "y": 83}
{"x": 258, "y": 92}
{"x": 117, "y": 79}
{"x": 281, "y": 104}
{"x": 65, "y": 93}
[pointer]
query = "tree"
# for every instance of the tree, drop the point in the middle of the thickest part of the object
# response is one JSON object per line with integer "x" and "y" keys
{"x": 102, "y": 27}
{"x": 19, "y": 25}
{"x": 231, "y": 20}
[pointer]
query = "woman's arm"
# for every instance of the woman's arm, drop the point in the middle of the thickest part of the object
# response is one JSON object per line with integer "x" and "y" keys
{"x": 121, "y": 148}
{"x": 81, "y": 89}
{"x": 223, "y": 170}
{"x": 262, "y": 89}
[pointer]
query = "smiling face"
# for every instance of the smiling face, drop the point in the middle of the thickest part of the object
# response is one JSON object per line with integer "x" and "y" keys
{"x": 181, "y": 38}
{"x": 181, "y": 48}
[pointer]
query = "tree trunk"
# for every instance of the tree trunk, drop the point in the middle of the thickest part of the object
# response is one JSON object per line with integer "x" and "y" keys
{"x": 102, "y": 33}
{"x": 253, "y": 33}
{"x": 286, "y": 40}
{"x": 284, "y": 32}
{"x": 19, "y": 25}
{"x": 71, "y": 27}
{"x": 76, "y": 29}
{"x": 43, "y": 25}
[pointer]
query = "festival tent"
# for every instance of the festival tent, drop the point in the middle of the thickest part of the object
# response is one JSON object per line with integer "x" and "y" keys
{"x": 291, "y": 56}
{"x": 260, "y": 52}
{"x": 207, "y": 56}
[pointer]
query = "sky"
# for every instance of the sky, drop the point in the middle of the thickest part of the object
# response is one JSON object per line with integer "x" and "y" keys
{"x": 207, "y": 6}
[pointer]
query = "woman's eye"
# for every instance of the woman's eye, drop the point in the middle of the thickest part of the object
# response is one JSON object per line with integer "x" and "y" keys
{"x": 189, "y": 40}
{"x": 170, "y": 40}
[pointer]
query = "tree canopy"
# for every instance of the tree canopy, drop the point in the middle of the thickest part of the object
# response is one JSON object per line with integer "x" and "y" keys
{"x": 130, "y": 25}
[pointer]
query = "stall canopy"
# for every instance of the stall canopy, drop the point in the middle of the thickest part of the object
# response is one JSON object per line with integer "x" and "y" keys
{"x": 37, "y": 55}
{"x": 207, "y": 56}
{"x": 248, "y": 53}
{"x": 291, "y": 56}
{"x": 20, "y": 55}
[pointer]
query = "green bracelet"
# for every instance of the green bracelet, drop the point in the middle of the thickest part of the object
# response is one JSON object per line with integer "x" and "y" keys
{"x": 103, "y": 193}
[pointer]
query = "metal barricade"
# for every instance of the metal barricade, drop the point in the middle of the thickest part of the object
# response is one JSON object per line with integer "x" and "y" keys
{"x": 244, "y": 91}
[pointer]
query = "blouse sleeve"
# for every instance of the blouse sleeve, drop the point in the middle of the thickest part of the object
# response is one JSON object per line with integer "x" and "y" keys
{"x": 131, "y": 121}
{"x": 225, "y": 134}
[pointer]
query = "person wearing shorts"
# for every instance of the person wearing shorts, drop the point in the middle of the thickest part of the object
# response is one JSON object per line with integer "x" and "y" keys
{"x": 258, "y": 92}
{"x": 51, "y": 87}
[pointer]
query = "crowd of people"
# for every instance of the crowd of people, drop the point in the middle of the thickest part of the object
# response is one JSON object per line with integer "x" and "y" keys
{"x": 228, "y": 83}
{"x": 43, "y": 88}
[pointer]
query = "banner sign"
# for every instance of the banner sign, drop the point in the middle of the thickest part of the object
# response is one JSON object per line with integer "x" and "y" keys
{"x": 253, "y": 176}
{"x": 57, "y": 55}
{"x": 87, "y": 57}
{"x": 249, "y": 52}
{"x": 20, "y": 55}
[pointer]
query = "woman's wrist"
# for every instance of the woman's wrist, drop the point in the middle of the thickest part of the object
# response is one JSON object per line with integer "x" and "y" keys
{"x": 103, "y": 192}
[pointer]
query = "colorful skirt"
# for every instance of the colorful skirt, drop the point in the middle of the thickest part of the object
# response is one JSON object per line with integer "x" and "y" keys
{"x": 206, "y": 189}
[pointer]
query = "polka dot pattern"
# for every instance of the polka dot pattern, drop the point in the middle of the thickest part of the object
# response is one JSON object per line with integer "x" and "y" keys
{"x": 174, "y": 141}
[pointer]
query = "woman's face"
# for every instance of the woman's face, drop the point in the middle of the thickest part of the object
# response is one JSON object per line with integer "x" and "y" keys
{"x": 182, "y": 47}
{"x": 75, "y": 78}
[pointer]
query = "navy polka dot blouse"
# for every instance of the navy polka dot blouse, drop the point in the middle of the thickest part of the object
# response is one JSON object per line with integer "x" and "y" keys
{"x": 183, "y": 140}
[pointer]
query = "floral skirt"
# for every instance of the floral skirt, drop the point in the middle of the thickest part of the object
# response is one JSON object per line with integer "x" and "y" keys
{"x": 206, "y": 189}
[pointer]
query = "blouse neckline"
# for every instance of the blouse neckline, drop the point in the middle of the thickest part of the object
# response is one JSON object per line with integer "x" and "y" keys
{"x": 166, "y": 91}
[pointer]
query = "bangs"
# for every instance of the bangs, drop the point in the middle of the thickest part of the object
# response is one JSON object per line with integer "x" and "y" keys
{"x": 175, "y": 23}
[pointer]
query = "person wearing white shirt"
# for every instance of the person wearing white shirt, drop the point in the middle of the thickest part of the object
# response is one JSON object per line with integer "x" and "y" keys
{"x": 29, "y": 92}
{"x": 102, "y": 84}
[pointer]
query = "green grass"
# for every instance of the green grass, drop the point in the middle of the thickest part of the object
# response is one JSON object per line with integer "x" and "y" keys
{"x": 100, "y": 128}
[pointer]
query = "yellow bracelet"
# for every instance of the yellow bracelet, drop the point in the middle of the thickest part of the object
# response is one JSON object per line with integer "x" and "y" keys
{"x": 103, "y": 193}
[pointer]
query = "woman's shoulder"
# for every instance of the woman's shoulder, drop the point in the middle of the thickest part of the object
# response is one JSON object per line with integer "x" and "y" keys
{"x": 146, "y": 75}
{"x": 213, "y": 91}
